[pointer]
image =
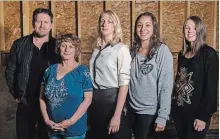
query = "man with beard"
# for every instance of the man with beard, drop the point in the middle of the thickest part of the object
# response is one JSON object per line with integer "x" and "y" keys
{"x": 29, "y": 57}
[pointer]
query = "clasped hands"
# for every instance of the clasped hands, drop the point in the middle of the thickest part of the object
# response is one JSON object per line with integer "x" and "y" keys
{"x": 59, "y": 126}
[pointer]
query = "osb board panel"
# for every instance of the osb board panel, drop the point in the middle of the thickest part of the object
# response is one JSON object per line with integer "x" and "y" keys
{"x": 173, "y": 16}
{"x": 12, "y": 23}
{"x": 86, "y": 58}
{"x": 142, "y": 7}
{"x": 90, "y": 12}
{"x": 32, "y": 6}
{"x": 205, "y": 11}
{"x": 122, "y": 9}
{"x": 65, "y": 18}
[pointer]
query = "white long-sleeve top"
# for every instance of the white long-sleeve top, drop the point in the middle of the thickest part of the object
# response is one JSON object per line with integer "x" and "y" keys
{"x": 112, "y": 66}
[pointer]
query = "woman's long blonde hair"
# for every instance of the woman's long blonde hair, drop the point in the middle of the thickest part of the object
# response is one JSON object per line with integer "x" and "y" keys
{"x": 117, "y": 36}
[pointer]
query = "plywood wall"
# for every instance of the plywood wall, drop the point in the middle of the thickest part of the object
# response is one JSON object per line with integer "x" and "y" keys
{"x": 81, "y": 18}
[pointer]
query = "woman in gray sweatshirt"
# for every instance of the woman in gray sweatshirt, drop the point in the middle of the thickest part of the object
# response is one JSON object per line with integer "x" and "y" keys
{"x": 151, "y": 79}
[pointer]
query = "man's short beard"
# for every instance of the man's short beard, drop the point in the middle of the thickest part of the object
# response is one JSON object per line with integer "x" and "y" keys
{"x": 40, "y": 36}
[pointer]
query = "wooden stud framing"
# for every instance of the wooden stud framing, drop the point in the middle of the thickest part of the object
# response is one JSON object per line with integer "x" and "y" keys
{"x": 214, "y": 24}
{"x": 53, "y": 10}
{"x": 187, "y": 9}
{"x": 107, "y": 5}
{"x": 2, "y": 25}
{"x": 78, "y": 24}
{"x": 160, "y": 19}
{"x": 133, "y": 17}
{"x": 25, "y": 11}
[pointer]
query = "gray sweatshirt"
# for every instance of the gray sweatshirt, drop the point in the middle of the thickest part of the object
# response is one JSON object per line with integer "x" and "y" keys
{"x": 151, "y": 84}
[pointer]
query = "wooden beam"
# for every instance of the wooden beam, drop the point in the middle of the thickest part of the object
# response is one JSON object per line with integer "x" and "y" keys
{"x": 25, "y": 12}
{"x": 214, "y": 24}
{"x": 107, "y": 5}
{"x": 187, "y": 9}
{"x": 133, "y": 18}
{"x": 78, "y": 24}
{"x": 2, "y": 25}
{"x": 160, "y": 19}
{"x": 53, "y": 10}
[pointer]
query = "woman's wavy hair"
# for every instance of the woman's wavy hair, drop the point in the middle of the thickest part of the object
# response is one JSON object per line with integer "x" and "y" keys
{"x": 117, "y": 36}
{"x": 69, "y": 38}
{"x": 154, "y": 39}
{"x": 200, "y": 36}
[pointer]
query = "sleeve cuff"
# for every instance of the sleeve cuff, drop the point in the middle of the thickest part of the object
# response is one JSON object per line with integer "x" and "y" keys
{"x": 88, "y": 90}
{"x": 161, "y": 121}
{"x": 204, "y": 117}
{"x": 124, "y": 79}
{"x": 123, "y": 83}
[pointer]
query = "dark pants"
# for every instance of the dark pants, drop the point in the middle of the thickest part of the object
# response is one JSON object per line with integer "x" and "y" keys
{"x": 142, "y": 125}
{"x": 29, "y": 122}
{"x": 184, "y": 124}
{"x": 100, "y": 113}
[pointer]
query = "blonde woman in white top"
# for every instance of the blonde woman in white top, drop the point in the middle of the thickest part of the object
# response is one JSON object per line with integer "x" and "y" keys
{"x": 110, "y": 73}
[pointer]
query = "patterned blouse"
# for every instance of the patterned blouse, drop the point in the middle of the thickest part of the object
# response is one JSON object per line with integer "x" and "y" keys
{"x": 64, "y": 96}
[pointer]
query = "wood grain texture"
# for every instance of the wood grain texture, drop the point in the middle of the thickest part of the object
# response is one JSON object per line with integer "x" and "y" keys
{"x": 90, "y": 12}
{"x": 133, "y": 18}
{"x": 2, "y": 28}
{"x": 214, "y": 12}
{"x": 107, "y": 5}
{"x": 85, "y": 58}
{"x": 175, "y": 63}
{"x": 122, "y": 9}
{"x": 54, "y": 25}
{"x": 12, "y": 23}
{"x": 34, "y": 5}
{"x": 65, "y": 17}
{"x": 150, "y": 6}
{"x": 173, "y": 18}
{"x": 205, "y": 11}
{"x": 25, "y": 18}
{"x": 187, "y": 9}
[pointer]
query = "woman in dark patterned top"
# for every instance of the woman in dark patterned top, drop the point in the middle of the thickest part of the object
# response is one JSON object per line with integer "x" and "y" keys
{"x": 195, "y": 91}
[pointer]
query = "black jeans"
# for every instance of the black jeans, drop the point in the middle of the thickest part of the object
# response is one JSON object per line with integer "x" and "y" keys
{"x": 142, "y": 125}
{"x": 29, "y": 122}
{"x": 100, "y": 113}
{"x": 184, "y": 123}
